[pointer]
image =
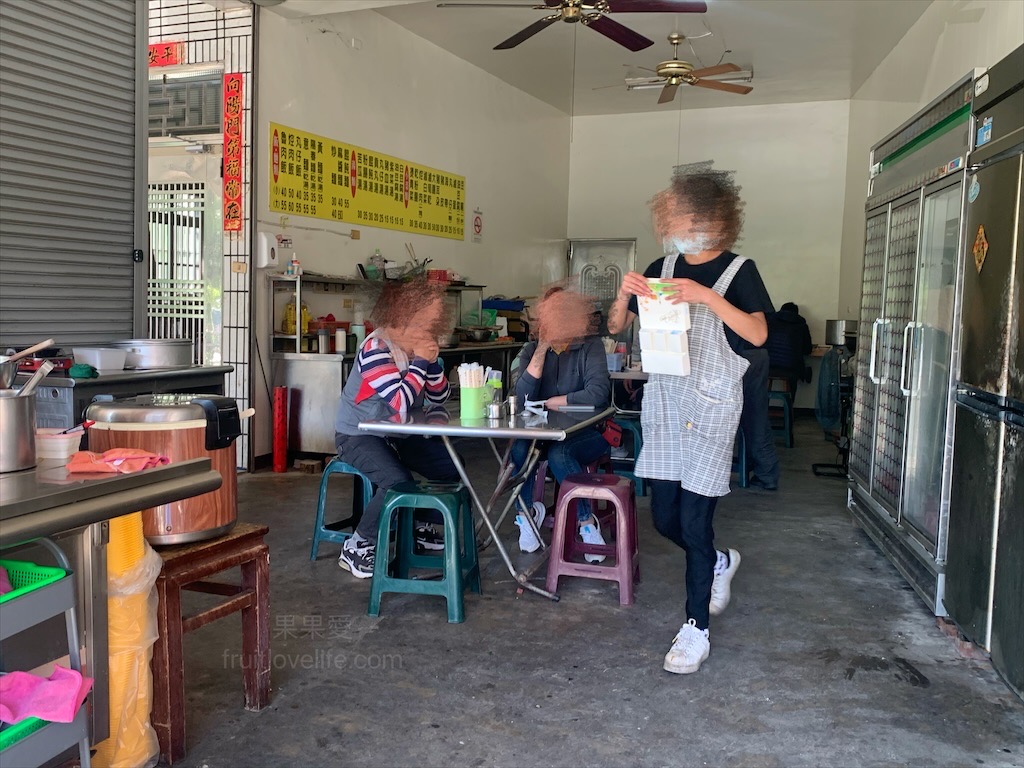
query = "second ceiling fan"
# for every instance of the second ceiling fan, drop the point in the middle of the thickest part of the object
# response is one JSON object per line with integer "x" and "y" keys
{"x": 676, "y": 72}
{"x": 593, "y": 14}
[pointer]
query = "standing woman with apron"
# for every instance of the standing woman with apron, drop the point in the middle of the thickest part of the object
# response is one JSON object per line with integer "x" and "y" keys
{"x": 689, "y": 422}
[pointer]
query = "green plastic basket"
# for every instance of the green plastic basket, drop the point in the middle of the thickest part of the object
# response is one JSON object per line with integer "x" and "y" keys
{"x": 26, "y": 577}
{"x": 11, "y": 734}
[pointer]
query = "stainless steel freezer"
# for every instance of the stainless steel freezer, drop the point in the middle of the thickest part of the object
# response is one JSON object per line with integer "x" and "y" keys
{"x": 985, "y": 569}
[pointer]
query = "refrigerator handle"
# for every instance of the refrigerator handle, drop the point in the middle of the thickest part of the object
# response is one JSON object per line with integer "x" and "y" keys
{"x": 874, "y": 345}
{"x": 903, "y": 361}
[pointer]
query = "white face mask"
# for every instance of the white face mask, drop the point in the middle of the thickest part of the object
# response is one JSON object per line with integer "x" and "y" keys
{"x": 693, "y": 243}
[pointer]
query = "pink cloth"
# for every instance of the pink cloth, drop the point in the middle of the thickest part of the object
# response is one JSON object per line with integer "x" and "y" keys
{"x": 5, "y": 582}
{"x": 116, "y": 460}
{"x": 56, "y": 698}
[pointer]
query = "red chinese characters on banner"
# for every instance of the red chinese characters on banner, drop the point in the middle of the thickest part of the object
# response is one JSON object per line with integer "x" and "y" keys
{"x": 232, "y": 152}
{"x": 166, "y": 54}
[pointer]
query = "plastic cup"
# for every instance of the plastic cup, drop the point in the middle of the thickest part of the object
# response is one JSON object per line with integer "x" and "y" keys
{"x": 472, "y": 402}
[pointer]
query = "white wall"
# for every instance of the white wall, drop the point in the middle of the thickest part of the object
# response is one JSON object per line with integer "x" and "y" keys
{"x": 790, "y": 160}
{"x": 950, "y": 39}
{"x": 397, "y": 94}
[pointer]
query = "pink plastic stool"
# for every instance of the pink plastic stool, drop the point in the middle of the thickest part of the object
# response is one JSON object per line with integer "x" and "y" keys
{"x": 619, "y": 493}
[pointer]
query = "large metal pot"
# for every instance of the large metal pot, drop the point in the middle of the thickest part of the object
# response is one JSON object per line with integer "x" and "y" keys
{"x": 180, "y": 427}
{"x": 18, "y": 436}
{"x": 838, "y": 331}
{"x": 156, "y": 353}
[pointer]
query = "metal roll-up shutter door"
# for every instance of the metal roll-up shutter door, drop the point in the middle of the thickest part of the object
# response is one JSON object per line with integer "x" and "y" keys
{"x": 70, "y": 167}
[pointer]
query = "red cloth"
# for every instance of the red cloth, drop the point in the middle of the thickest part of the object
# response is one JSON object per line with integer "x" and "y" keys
{"x": 5, "y": 582}
{"x": 116, "y": 460}
{"x": 56, "y": 698}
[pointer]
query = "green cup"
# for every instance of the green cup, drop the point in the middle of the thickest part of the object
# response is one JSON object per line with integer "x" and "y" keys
{"x": 472, "y": 403}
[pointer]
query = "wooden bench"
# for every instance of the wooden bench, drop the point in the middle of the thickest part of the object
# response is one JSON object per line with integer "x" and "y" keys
{"x": 185, "y": 568}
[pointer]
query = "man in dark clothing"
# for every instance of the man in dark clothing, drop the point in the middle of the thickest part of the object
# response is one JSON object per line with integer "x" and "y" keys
{"x": 754, "y": 424}
{"x": 789, "y": 340}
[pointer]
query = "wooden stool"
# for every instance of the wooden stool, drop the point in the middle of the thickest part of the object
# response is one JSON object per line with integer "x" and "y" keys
{"x": 184, "y": 568}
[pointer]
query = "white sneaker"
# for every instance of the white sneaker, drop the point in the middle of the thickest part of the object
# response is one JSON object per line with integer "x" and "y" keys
{"x": 690, "y": 647}
{"x": 528, "y": 541}
{"x": 590, "y": 532}
{"x": 720, "y": 591}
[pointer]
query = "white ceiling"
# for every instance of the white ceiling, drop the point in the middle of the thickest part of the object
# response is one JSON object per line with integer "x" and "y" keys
{"x": 798, "y": 50}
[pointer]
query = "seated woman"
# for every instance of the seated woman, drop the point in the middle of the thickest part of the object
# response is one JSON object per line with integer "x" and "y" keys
{"x": 566, "y": 365}
{"x": 396, "y": 370}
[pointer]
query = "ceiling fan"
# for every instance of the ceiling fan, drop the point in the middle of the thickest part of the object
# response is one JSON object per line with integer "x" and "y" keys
{"x": 675, "y": 72}
{"x": 593, "y": 14}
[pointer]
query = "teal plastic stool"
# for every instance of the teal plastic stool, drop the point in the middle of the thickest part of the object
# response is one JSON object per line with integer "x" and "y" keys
{"x": 633, "y": 426}
{"x": 786, "y": 430}
{"x": 739, "y": 462}
{"x": 459, "y": 561}
{"x": 362, "y": 492}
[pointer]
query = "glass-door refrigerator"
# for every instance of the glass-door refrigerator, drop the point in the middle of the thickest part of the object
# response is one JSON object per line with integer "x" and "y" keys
{"x": 900, "y": 455}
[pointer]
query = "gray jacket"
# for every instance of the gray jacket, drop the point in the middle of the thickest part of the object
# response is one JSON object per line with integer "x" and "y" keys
{"x": 580, "y": 373}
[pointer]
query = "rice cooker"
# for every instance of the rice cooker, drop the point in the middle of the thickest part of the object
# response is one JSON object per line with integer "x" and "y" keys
{"x": 181, "y": 427}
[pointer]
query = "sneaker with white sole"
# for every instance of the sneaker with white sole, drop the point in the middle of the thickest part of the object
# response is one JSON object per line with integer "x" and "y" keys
{"x": 528, "y": 541}
{"x": 690, "y": 648}
{"x": 428, "y": 539}
{"x": 720, "y": 590}
{"x": 357, "y": 556}
{"x": 590, "y": 532}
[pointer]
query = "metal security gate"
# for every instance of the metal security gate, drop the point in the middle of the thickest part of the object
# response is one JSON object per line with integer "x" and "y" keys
{"x": 176, "y": 303}
{"x": 221, "y": 35}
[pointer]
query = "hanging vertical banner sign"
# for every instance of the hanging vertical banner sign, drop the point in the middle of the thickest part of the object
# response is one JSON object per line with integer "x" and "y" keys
{"x": 233, "y": 152}
{"x": 315, "y": 176}
{"x": 166, "y": 54}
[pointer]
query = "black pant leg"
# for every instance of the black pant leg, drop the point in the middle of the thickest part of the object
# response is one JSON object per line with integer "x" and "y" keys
{"x": 696, "y": 515}
{"x": 754, "y": 422}
{"x": 375, "y": 458}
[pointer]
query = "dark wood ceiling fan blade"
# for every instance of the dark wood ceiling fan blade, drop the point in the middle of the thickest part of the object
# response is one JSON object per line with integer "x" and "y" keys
{"x": 624, "y": 36}
{"x": 525, "y": 34}
{"x": 657, "y": 6}
{"x": 668, "y": 93}
{"x": 717, "y": 86}
{"x": 718, "y": 69}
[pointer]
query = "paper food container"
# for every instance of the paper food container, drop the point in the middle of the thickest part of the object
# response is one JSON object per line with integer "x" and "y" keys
{"x": 664, "y": 342}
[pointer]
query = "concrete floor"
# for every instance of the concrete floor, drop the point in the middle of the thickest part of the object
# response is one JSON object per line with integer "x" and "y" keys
{"x": 824, "y": 657}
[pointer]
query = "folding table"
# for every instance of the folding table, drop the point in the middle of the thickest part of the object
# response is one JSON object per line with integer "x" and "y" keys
{"x": 439, "y": 422}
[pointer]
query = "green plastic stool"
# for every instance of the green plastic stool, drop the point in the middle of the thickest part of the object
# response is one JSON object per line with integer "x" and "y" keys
{"x": 459, "y": 562}
{"x": 362, "y": 492}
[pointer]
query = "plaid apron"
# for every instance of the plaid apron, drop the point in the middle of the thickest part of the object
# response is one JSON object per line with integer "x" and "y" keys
{"x": 689, "y": 422}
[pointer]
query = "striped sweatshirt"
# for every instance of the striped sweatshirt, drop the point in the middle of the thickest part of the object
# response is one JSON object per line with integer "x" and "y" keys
{"x": 378, "y": 389}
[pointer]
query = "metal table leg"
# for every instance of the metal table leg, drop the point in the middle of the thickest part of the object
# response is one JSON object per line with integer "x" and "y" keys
{"x": 521, "y": 577}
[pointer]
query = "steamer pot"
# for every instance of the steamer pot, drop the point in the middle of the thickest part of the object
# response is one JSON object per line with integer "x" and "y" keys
{"x": 156, "y": 353}
{"x": 18, "y": 436}
{"x": 180, "y": 427}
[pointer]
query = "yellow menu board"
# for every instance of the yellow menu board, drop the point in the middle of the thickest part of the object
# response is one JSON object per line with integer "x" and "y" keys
{"x": 315, "y": 176}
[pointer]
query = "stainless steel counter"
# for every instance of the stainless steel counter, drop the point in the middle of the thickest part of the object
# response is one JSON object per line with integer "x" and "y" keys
{"x": 73, "y": 510}
{"x": 47, "y": 500}
{"x": 61, "y": 401}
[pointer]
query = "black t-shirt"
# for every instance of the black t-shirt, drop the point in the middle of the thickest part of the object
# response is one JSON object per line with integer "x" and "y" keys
{"x": 746, "y": 291}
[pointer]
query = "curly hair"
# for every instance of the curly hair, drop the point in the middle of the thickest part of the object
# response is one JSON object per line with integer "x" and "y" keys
{"x": 401, "y": 302}
{"x": 710, "y": 197}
